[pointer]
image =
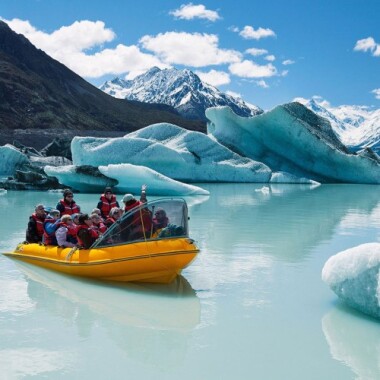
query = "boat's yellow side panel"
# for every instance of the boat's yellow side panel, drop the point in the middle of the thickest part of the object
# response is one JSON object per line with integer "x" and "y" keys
{"x": 150, "y": 261}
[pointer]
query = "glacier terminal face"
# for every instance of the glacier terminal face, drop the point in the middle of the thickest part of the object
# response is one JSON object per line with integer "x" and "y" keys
{"x": 11, "y": 159}
{"x": 172, "y": 151}
{"x": 290, "y": 138}
{"x": 353, "y": 275}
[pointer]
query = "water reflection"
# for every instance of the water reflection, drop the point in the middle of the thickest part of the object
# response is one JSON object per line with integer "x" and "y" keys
{"x": 286, "y": 222}
{"x": 354, "y": 340}
{"x": 143, "y": 320}
{"x": 157, "y": 306}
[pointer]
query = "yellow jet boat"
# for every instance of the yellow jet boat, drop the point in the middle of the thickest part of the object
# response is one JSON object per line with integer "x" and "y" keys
{"x": 133, "y": 249}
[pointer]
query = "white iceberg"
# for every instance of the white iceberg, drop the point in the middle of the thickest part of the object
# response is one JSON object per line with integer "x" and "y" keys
{"x": 172, "y": 151}
{"x": 353, "y": 275}
{"x": 84, "y": 179}
{"x": 131, "y": 177}
{"x": 11, "y": 159}
{"x": 283, "y": 177}
{"x": 123, "y": 177}
{"x": 293, "y": 139}
{"x": 51, "y": 160}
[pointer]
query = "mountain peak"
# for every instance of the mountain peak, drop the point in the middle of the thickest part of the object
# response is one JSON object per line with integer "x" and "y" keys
{"x": 181, "y": 89}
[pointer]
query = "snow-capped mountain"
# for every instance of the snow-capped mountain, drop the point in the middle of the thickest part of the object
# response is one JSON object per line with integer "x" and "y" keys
{"x": 181, "y": 89}
{"x": 356, "y": 126}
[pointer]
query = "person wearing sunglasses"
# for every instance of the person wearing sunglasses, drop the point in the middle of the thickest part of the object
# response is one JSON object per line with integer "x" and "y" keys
{"x": 67, "y": 205}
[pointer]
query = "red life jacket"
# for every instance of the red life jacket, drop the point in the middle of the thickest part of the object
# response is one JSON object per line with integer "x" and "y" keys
{"x": 136, "y": 203}
{"x": 92, "y": 232}
{"x": 72, "y": 230}
{"x": 107, "y": 204}
{"x": 142, "y": 219}
{"x": 50, "y": 239}
{"x": 101, "y": 227}
{"x": 110, "y": 221}
{"x": 70, "y": 208}
{"x": 39, "y": 224}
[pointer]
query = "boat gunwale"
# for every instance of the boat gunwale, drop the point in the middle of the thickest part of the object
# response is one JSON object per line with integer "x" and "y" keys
{"x": 103, "y": 262}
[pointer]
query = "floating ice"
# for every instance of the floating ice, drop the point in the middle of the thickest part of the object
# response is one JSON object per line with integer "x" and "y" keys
{"x": 51, "y": 160}
{"x": 123, "y": 177}
{"x": 264, "y": 190}
{"x": 130, "y": 178}
{"x": 3, "y": 191}
{"x": 11, "y": 159}
{"x": 84, "y": 178}
{"x": 172, "y": 151}
{"x": 354, "y": 276}
{"x": 293, "y": 139}
{"x": 282, "y": 177}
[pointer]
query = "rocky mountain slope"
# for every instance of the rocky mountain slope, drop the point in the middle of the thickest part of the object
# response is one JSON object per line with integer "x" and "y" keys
{"x": 37, "y": 92}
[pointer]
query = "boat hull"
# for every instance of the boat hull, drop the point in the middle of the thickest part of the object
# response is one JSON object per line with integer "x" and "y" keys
{"x": 148, "y": 261}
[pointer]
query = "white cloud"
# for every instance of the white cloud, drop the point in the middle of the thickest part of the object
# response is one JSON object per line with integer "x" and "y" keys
{"x": 262, "y": 83}
{"x": 376, "y": 91}
{"x": 288, "y": 62}
{"x": 120, "y": 60}
{"x": 69, "y": 44}
{"x": 233, "y": 28}
{"x": 79, "y": 36}
{"x": 250, "y": 69}
{"x": 368, "y": 44}
{"x": 191, "y": 11}
{"x": 256, "y": 52}
{"x": 270, "y": 58}
{"x": 190, "y": 49}
{"x": 250, "y": 33}
{"x": 215, "y": 78}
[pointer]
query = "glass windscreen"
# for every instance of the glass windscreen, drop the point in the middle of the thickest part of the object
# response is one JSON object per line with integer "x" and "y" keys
{"x": 159, "y": 219}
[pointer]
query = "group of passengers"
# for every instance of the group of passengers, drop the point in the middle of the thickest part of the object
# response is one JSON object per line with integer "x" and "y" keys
{"x": 66, "y": 226}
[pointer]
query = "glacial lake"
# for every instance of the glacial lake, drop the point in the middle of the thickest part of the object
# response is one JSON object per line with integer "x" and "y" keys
{"x": 252, "y": 305}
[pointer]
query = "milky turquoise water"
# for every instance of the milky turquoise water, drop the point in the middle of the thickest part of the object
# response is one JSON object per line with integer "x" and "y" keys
{"x": 252, "y": 306}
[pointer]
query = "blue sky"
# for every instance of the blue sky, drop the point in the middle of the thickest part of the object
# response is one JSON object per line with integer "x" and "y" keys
{"x": 269, "y": 52}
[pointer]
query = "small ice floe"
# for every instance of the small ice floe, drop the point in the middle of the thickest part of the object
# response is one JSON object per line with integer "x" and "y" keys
{"x": 353, "y": 275}
{"x": 3, "y": 191}
{"x": 264, "y": 190}
{"x": 55, "y": 191}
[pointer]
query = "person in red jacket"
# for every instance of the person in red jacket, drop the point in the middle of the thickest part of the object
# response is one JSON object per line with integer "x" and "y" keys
{"x": 107, "y": 201}
{"x": 97, "y": 223}
{"x": 35, "y": 228}
{"x": 138, "y": 225}
{"x": 85, "y": 234}
{"x": 67, "y": 205}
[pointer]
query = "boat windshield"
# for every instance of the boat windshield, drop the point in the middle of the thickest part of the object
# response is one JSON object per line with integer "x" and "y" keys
{"x": 159, "y": 219}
